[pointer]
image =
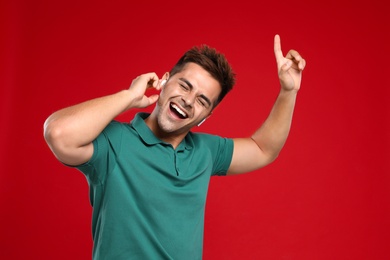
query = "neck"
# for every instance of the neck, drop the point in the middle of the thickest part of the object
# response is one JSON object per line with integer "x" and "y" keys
{"x": 172, "y": 138}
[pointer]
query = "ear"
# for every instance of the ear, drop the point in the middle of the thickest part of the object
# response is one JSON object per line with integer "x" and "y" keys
{"x": 164, "y": 78}
{"x": 163, "y": 81}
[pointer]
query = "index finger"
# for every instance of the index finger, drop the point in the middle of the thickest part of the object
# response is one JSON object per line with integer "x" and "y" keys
{"x": 151, "y": 78}
{"x": 277, "y": 48}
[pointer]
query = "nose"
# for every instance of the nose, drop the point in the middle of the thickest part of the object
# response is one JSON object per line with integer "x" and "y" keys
{"x": 189, "y": 99}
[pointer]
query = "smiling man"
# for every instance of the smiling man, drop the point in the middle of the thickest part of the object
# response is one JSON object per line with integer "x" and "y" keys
{"x": 148, "y": 178}
{"x": 187, "y": 99}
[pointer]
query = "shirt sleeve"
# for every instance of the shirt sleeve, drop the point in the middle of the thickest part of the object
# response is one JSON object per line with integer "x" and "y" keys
{"x": 106, "y": 147}
{"x": 221, "y": 150}
{"x": 223, "y": 157}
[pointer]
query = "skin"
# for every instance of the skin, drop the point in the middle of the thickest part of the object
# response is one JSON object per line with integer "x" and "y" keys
{"x": 194, "y": 91}
{"x": 264, "y": 145}
{"x": 69, "y": 132}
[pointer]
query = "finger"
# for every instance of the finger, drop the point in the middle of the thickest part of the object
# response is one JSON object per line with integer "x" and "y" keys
{"x": 296, "y": 58}
{"x": 153, "y": 99}
{"x": 152, "y": 79}
{"x": 286, "y": 66}
{"x": 293, "y": 54}
{"x": 277, "y": 48}
{"x": 302, "y": 64}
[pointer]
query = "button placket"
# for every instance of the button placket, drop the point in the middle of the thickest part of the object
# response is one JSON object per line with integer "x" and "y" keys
{"x": 177, "y": 161}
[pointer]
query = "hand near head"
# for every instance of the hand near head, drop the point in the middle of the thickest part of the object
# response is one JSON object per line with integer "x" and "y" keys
{"x": 289, "y": 68}
{"x": 140, "y": 85}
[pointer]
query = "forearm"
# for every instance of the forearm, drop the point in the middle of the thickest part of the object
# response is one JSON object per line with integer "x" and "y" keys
{"x": 272, "y": 135}
{"x": 79, "y": 125}
{"x": 265, "y": 144}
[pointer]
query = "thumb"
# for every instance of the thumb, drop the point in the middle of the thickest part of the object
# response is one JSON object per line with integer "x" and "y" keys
{"x": 153, "y": 99}
{"x": 286, "y": 66}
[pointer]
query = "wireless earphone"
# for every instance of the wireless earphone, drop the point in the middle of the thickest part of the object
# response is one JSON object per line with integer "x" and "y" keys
{"x": 163, "y": 82}
{"x": 201, "y": 122}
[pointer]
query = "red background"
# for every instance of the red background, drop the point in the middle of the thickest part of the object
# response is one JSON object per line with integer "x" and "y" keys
{"x": 326, "y": 197}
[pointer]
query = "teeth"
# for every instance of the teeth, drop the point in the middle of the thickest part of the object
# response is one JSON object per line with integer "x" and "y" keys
{"x": 179, "y": 110}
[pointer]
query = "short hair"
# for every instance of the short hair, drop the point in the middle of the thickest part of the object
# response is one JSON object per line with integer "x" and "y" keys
{"x": 213, "y": 62}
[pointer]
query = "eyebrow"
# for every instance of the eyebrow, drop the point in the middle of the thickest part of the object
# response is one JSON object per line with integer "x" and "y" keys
{"x": 191, "y": 87}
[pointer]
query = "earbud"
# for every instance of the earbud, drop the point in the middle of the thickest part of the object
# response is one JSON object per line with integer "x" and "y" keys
{"x": 201, "y": 122}
{"x": 163, "y": 82}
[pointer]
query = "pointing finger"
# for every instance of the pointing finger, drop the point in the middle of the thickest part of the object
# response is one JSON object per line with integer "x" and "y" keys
{"x": 278, "y": 48}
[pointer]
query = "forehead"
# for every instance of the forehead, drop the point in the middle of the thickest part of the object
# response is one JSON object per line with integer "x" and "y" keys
{"x": 201, "y": 80}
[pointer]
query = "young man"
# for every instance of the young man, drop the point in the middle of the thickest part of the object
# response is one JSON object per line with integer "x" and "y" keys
{"x": 149, "y": 178}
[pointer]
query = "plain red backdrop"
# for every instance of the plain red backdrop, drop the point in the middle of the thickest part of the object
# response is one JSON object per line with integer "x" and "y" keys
{"x": 326, "y": 197}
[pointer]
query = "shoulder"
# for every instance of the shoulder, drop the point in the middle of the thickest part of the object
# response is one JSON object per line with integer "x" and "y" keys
{"x": 213, "y": 142}
{"x": 199, "y": 136}
{"x": 216, "y": 148}
{"x": 116, "y": 127}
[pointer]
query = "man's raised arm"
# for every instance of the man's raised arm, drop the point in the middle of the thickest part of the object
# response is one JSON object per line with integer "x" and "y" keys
{"x": 265, "y": 144}
{"x": 69, "y": 132}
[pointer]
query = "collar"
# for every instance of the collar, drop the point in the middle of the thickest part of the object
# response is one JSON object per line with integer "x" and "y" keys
{"x": 147, "y": 136}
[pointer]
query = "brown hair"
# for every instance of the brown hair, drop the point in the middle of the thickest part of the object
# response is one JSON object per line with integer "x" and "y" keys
{"x": 213, "y": 62}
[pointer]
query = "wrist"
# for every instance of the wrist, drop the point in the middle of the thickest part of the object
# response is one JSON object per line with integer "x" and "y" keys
{"x": 288, "y": 92}
{"x": 125, "y": 97}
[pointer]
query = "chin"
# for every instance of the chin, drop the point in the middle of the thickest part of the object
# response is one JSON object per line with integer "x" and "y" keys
{"x": 166, "y": 126}
{"x": 169, "y": 127}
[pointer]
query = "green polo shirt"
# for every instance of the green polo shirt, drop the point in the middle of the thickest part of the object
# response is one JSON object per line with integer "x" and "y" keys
{"x": 148, "y": 198}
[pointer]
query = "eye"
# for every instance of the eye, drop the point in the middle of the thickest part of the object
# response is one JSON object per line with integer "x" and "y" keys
{"x": 185, "y": 87}
{"x": 201, "y": 102}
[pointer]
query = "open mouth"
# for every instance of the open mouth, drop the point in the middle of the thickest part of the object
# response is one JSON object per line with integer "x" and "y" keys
{"x": 177, "y": 111}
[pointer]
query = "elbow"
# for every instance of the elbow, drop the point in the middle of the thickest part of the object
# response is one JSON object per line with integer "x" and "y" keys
{"x": 53, "y": 134}
{"x": 61, "y": 140}
{"x": 273, "y": 157}
{"x": 55, "y": 137}
{"x": 269, "y": 158}
{"x": 48, "y": 131}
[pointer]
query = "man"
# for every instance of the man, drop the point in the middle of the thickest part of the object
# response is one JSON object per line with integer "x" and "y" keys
{"x": 149, "y": 178}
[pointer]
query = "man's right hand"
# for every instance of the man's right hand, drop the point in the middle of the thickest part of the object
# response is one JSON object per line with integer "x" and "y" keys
{"x": 69, "y": 132}
{"x": 138, "y": 88}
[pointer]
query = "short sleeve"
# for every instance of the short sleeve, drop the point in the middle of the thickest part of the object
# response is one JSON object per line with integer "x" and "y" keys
{"x": 221, "y": 151}
{"x": 223, "y": 156}
{"x": 106, "y": 147}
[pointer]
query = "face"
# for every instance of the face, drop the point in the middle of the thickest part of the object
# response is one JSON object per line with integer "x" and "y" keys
{"x": 186, "y": 99}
